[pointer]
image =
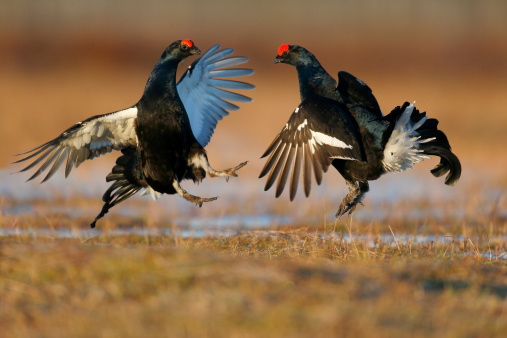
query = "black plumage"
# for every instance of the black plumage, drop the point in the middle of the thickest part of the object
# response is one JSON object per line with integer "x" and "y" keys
{"x": 346, "y": 128}
{"x": 162, "y": 137}
{"x": 295, "y": 143}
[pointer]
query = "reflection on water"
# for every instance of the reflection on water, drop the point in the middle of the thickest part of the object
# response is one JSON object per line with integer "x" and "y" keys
{"x": 83, "y": 234}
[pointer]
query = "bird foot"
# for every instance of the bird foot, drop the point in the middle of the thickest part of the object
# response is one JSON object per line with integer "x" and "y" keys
{"x": 231, "y": 172}
{"x": 199, "y": 200}
{"x": 353, "y": 198}
{"x": 348, "y": 205}
{"x": 189, "y": 197}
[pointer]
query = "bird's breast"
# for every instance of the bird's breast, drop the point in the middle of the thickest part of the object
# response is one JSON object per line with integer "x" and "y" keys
{"x": 164, "y": 139}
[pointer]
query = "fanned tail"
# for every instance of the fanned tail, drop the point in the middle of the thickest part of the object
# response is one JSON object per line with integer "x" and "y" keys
{"x": 127, "y": 181}
{"x": 431, "y": 141}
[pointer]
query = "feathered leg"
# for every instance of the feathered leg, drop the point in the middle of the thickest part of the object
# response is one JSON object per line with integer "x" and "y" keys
{"x": 191, "y": 198}
{"x": 356, "y": 194}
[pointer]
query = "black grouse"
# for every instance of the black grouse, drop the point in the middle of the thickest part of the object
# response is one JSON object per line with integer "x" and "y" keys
{"x": 343, "y": 125}
{"x": 162, "y": 137}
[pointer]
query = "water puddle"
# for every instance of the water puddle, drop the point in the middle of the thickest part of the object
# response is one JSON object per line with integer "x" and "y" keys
{"x": 83, "y": 234}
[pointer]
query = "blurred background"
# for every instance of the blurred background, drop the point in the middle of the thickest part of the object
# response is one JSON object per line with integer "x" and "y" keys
{"x": 63, "y": 61}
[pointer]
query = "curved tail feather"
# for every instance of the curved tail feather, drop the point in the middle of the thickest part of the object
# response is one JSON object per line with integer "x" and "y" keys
{"x": 432, "y": 142}
{"x": 448, "y": 162}
{"x": 127, "y": 181}
{"x": 439, "y": 146}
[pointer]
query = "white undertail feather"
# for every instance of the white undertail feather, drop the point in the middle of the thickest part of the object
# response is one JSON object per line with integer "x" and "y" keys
{"x": 402, "y": 149}
{"x": 154, "y": 194}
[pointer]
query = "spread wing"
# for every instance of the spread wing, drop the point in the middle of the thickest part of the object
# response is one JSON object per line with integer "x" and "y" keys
{"x": 84, "y": 141}
{"x": 355, "y": 91}
{"x": 318, "y": 131}
{"x": 201, "y": 90}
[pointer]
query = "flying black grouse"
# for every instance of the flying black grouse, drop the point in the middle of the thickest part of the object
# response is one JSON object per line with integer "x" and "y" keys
{"x": 344, "y": 126}
{"x": 162, "y": 137}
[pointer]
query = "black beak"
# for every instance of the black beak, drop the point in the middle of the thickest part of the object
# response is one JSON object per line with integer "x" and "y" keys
{"x": 277, "y": 59}
{"x": 194, "y": 50}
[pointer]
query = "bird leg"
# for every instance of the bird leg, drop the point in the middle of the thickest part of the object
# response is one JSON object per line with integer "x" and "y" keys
{"x": 191, "y": 198}
{"x": 202, "y": 162}
{"x": 355, "y": 196}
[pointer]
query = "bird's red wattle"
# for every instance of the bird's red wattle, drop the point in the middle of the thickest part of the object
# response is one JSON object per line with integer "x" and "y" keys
{"x": 187, "y": 42}
{"x": 282, "y": 49}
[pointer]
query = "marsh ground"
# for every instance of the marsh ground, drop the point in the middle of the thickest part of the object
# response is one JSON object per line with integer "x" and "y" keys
{"x": 283, "y": 283}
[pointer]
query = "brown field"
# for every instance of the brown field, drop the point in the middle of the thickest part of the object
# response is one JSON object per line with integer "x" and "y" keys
{"x": 275, "y": 285}
{"x": 250, "y": 265}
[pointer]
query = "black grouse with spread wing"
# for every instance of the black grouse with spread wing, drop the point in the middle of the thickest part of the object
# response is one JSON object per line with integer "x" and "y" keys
{"x": 342, "y": 125}
{"x": 162, "y": 137}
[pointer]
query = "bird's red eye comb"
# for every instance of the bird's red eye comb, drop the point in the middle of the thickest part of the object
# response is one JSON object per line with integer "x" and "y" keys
{"x": 187, "y": 42}
{"x": 282, "y": 49}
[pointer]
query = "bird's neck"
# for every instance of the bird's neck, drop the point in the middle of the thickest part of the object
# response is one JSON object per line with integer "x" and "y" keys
{"x": 314, "y": 80}
{"x": 161, "y": 84}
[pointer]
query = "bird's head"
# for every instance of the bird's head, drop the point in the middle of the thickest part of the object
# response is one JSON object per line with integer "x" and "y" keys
{"x": 293, "y": 55}
{"x": 180, "y": 50}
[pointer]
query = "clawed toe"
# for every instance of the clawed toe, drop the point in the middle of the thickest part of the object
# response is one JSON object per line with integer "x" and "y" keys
{"x": 241, "y": 165}
{"x": 200, "y": 200}
{"x": 189, "y": 197}
{"x": 346, "y": 207}
{"x": 232, "y": 171}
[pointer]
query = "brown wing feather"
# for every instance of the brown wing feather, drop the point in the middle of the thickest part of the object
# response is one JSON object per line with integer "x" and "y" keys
{"x": 307, "y": 140}
{"x": 85, "y": 140}
{"x": 282, "y": 180}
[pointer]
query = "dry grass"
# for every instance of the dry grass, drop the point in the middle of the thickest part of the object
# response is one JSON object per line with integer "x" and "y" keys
{"x": 322, "y": 278}
{"x": 346, "y": 278}
{"x": 271, "y": 285}
{"x": 313, "y": 277}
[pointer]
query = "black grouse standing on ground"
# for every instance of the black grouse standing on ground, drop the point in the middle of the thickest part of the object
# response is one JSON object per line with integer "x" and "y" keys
{"x": 162, "y": 137}
{"x": 344, "y": 126}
